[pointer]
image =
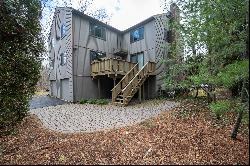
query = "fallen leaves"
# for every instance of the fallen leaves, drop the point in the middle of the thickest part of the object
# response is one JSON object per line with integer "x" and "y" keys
{"x": 169, "y": 138}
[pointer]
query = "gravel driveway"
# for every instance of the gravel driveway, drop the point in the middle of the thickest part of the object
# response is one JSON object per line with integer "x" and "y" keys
{"x": 40, "y": 101}
{"x": 69, "y": 118}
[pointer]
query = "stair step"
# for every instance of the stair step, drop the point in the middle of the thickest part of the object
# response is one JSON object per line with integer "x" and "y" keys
{"x": 118, "y": 103}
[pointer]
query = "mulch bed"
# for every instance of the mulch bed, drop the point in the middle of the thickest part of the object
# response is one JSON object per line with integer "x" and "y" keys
{"x": 185, "y": 135}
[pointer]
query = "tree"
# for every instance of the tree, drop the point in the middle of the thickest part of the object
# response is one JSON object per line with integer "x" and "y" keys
{"x": 43, "y": 82}
{"x": 21, "y": 47}
{"x": 218, "y": 30}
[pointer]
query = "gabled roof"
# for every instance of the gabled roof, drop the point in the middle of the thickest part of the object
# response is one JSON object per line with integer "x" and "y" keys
{"x": 77, "y": 12}
{"x": 145, "y": 21}
{"x": 94, "y": 20}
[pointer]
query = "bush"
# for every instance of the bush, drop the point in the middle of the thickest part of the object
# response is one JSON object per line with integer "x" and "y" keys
{"x": 219, "y": 108}
{"x": 83, "y": 101}
{"x": 91, "y": 101}
{"x": 21, "y": 47}
{"x": 102, "y": 101}
{"x": 94, "y": 101}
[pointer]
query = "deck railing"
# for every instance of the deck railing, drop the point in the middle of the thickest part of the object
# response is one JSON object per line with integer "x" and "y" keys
{"x": 107, "y": 66}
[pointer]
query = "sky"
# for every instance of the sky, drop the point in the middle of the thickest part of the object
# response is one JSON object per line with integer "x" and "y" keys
{"x": 126, "y": 13}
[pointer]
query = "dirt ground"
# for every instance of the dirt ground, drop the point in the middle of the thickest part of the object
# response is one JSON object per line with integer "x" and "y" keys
{"x": 187, "y": 134}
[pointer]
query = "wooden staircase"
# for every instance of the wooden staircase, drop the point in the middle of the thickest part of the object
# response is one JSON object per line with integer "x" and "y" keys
{"x": 123, "y": 92}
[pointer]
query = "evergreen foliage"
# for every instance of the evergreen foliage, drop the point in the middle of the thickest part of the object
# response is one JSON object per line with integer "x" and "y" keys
{"x": 21, "y": 46}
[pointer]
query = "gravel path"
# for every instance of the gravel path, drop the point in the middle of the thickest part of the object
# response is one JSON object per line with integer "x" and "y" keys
{"x": 69, "y": 118}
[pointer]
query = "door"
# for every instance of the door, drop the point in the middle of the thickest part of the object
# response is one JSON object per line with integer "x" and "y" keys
{"x": 138, "y": 58}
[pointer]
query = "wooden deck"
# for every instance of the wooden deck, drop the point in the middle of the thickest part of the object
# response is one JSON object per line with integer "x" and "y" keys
{"x": 110, "y": 67}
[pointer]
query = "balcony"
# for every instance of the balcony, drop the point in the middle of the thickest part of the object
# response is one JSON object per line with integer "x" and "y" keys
{"x": 111, "y": 67}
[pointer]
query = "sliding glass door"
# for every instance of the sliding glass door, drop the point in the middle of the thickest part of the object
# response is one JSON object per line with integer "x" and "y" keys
{"x": 138, "y": 58}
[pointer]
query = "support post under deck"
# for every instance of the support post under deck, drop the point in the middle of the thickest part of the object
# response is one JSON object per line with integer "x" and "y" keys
{"x": 140, "y": 94}
{"x": 99, "y": 88}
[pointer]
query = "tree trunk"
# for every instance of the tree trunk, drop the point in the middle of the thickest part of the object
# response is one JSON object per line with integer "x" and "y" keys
{"x": 197, "y": 92}
{"x": 240, "y": 114}
{"x": 237, "y": 125}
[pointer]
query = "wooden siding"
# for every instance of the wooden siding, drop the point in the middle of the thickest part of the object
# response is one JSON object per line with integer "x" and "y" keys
{"x": 61, "y": 45}
{"x": 83, "y": 43}
{"x": 161, "y": 22}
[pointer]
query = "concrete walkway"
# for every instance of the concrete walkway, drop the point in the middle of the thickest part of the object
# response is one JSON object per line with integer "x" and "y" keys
{"x": 69, "y": 118}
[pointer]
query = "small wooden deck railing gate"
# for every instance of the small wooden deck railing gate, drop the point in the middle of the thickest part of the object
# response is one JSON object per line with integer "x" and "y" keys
{"x": 123, "y": 92}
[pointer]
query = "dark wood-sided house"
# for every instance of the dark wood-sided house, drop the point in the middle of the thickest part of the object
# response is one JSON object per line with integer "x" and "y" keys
{"x": 90, "y": 59}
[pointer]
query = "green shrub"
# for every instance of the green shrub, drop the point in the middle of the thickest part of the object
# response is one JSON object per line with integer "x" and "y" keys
{"x": 83, "y": 101}
{"x": 94, "y": 101}
{"x": 102, "y": 101}
{"x": 245, "y": 118}
{"x": 21, "y": 47}
{"x": 91, "y": 101}
{"x": 220, "y": 107}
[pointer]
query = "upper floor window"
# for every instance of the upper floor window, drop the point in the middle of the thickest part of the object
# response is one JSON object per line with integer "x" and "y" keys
{"x": 63, "y": 30}
{"x": 95, "y": 55}
{"x": 97, "y": 31}
{"x": 63, "y": 59}
{"x": 137, "y": 34}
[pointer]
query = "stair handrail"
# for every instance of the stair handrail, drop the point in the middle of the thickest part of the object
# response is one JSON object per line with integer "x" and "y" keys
{"x": 118, "y": 87}
{"x": 134, "y": 82}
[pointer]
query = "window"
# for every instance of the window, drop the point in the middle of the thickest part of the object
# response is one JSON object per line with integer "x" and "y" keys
{"x": 63, "y": 59}
{"x": 95, "y": 55}
{"x": 137, "y": 35}
{"x": 97, "y": 31}
{"x": 63, "y": 31}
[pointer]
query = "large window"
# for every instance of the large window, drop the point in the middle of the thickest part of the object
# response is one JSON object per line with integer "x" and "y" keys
{"x": 97, "y": 31}
{"x": 95, "y": 55}
{"x": 137, "y": 35}
{"x": 63, "y": 59}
